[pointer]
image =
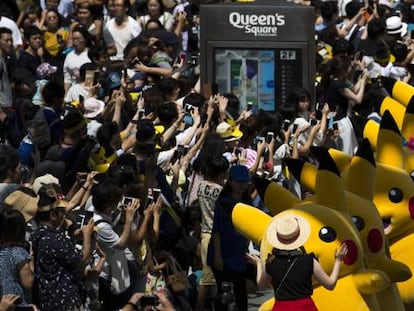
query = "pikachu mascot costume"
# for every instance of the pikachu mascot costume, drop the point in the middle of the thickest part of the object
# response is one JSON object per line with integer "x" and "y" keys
{"x": 328, "y": 217}
{"x": 360, "y": 179}
{"x": 393, "y": 197}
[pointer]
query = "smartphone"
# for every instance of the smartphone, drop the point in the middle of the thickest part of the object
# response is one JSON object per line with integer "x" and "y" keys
{"x": 89, "y": 76}
{"x": 96, "y": 77}
{"x": 318, "y": 106}
{"x": 335, "y": 126}
{"x": 269, "y": 137}
{"x": 82, "y": 218}
{"x": 294, "y": 129}
{"x": 249, "y": 106}
{"x": 286, "y": 125}
{"x": 81, "y": 100}
{"x": 313, "y": 122}
{"x": 126, "y": 200}
{"x": 156, "y": 193}
{"x": 259, "y": 139}
{"x": 188, "y": 108}
{"x": 178, "y": 153}
{"x": 214, "y": 88}
{"x": 236, "y": 152}
{"x": 150, "y": 200}
{"x": 141, "y": 113}
{"x": 149, "y": 300}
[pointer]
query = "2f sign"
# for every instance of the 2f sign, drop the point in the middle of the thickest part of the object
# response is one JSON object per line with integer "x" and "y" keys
{"x": 288, "y": 55}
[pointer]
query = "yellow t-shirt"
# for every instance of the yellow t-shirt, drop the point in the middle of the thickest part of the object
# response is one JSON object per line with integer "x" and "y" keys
{"x": 51, "y": 43}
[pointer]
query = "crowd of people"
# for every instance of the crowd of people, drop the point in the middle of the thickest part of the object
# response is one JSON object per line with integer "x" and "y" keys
{"x": 118, "y": 174}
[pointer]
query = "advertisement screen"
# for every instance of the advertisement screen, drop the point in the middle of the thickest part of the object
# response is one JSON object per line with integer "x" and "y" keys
{"x": 248, "y": 74}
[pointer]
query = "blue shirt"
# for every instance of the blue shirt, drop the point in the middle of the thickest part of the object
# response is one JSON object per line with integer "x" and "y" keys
{"x": 11, "y": 260}
{"x": 233, "y": 244}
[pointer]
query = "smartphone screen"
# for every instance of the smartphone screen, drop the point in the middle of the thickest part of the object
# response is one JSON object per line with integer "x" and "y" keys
{"x": 127, "y": 200}
{"x": 96, "y": 77}
{"x": 286, "y": 124}
{"x": 156, "y": 193}
{"x": 269, "y": 137}
{"x": 294, "y": 129}
{"x": 82, "y": 218}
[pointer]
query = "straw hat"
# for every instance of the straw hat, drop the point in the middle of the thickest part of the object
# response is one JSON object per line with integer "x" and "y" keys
{"x": 24, "y": 203}
{"x": 288, "y": 232}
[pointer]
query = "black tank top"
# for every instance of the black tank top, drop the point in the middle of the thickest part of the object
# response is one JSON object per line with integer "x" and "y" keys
{"x": 298, "y": 283}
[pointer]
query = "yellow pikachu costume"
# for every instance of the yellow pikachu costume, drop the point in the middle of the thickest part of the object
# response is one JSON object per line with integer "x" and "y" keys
{"x": 360, "y": 184}
{"x": 330, "y": 226}
{"x": 394, "y": 199}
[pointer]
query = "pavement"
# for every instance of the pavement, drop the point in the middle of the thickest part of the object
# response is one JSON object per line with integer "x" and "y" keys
{"x": 257, "y": 298}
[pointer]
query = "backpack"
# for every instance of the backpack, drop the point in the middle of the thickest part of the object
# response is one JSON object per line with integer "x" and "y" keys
{"x": 39, "y": 130}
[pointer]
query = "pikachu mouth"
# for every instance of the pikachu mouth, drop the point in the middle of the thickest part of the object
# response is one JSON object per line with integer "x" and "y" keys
{"x": 387, "y": 225}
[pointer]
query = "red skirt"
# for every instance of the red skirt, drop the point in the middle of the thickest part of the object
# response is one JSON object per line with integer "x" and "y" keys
{"x": 305, "y": 304}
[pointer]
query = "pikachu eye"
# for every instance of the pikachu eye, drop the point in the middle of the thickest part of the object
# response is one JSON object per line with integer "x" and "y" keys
{"x": 412, "y": 175}
{"x": 327, "y": 234}
{"x": 395, "y": 195}
{"x": 358, "y": 222}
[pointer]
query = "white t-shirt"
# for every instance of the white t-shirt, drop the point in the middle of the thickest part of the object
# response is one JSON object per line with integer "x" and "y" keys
{"x": 74, "y": 91}
{"x": 73, "y": 62}
{"x": 10, "y": 24}
{"x": 122, "y": 36}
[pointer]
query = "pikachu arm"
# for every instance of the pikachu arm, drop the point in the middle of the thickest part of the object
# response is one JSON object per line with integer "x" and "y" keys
{"x": 371, "y": 281}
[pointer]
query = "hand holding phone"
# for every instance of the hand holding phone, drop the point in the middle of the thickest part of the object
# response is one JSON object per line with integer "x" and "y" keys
{"x": 286, "y": 125}
{"x": 269, "y": 137}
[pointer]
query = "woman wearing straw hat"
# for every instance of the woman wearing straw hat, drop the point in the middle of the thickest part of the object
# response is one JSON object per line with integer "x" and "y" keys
{"x": 289, "y": 270}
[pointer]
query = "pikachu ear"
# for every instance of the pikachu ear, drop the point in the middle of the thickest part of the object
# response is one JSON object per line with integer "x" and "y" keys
{"x": 371, "y": 130}
{"x": 361, "y": 175}
{"x": 407, "y": 129}
{"x": 329, "y": 190}
{"x": 250, "y": 221}
{"x": 275, "y": 197}
{"x": 396, "y": 109}
{"x": 341, "y": 158}
{"x": 303, "y": 171}
{"x": 389, "y": 144}
{"x": 401, "y": 91}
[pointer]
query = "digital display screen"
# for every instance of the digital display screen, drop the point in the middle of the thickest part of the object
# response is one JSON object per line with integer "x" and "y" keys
{"x": 262, "y": 77}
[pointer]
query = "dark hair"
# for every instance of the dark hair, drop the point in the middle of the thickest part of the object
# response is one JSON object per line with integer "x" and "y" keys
{"x": 96, "y": 51}
{"x": 297, "y": 95}
{"x": 52, "y": 91}
{"x": 30, "y": 31}
{"x": 162, "y": 9}
{"x": 194, "y": 99}
{"x": 213, "y": 145}
{"x": 400, "y": 51}
{"x": 5, "y": 30}
{"x": 167, "y": 113}
{"x": 156, "y": 21}
{"x": 59, "y": 17}
{"x": 9, "y": 160}
{"x": 84, "y": 68}
{"x": 216, "y": 166}
{"x": 376, "y": 28}
{"x": 85, "y": 34}
{"x": 105, "y": 133}
{"x": 105, "y": 194}
{"x": 352, "y": 8}
{"x": 13, "y": 227}
{"x": 167, "y": 86}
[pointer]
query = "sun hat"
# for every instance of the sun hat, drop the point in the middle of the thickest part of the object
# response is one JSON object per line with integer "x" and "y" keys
{"x": 43, "y": 180}
{"x": 239, "y": 173}
{"x": 23, "y": 202}
{"x": 228, "y": 131}
{"x": 395, "y": 26}
{"x": 45, "y": 69}
{"x": 288, "y": 232}
{"x": 93, "y": 107}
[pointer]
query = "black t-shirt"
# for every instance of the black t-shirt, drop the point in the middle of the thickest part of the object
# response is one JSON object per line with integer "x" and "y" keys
{"x": 336, "y": 101}
{"x": 298, "y": 282}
